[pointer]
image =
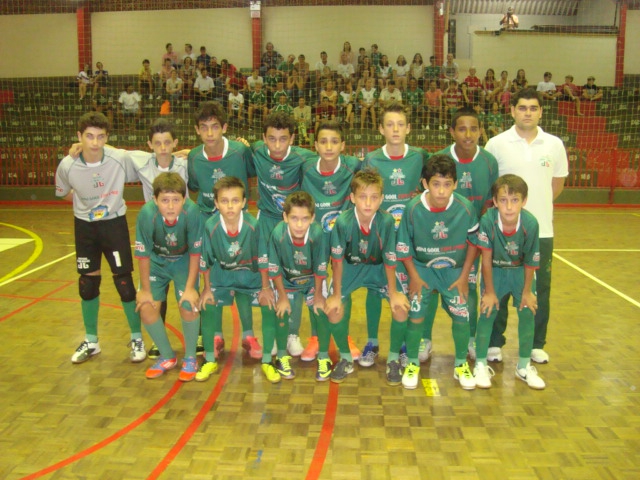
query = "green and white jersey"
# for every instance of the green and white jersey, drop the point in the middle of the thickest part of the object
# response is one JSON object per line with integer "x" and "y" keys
{"x": 346, "y": 98}
{"x": 368, "y": 96}
{"x": 148, "y": 169}
{"x": 297, "y": 264}
{"x": 510, "y": 249}
{"x": 257, "y": 98}
{"x": 97, "y": 187}
{"x": 236, "y": 161}
{"x": 475, "y": 177}
{"x": 277, "y": 178}
{"x": 330, "y": 190}
{"x": 161, "y": 242}
{"x": 279, "y": 93}
{"x": 230, "y": 252}
{"x": 413, "y": 98}
{"x": 350, "y": 242}
{"x": 437, "y": 238}
{"x": 401, "y": 176}
{"x": 286, "y": 108}
{"x": 271, "y": 81}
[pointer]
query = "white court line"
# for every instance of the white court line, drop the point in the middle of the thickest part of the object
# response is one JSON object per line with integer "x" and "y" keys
{"x": 598, "y": 281}
{"x": 610, "y": 250}
{"x": 29, "y": 272}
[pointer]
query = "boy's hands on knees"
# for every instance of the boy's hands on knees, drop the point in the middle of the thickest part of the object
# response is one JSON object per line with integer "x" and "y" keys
{"x": 190, "y": 295}
{"x": 488, "y": 302}
{"x": 266, "y": 298}
{"x": 416, "y": 284}
{"x": 399, "y": 302}
{"x": 283, "y": 306}
{"x": 462, "y": 284}
{"x": 318, "y": 303}
{"x": 206, "y": 297}
{"x": 334, "y": 306}
{"x": 530, "y": 301}
{"x": 143, "y": 297}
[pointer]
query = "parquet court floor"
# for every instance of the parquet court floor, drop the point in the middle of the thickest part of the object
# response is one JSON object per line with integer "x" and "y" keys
{"x": 104, "y": 420}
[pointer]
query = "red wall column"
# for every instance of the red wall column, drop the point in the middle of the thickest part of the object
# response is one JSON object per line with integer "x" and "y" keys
{"x": 83, "y": 20}
{"x": 620, "y": 44}
{"x": 438, "y": 31}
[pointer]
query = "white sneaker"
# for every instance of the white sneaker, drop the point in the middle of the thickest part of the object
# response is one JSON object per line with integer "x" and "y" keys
{"x": 138, "y": 352}
{"x": 274, "y": 350}
{"x": 425, "y": 350}
{"x": 294, "y": 345}
{"x": 464, "y": 376}
{"x": 530, "y": 376}
{"x": 85, "y": 351}
{"x": 483, "y": 373}
{"x": 538, "y": 355}
{"x": 494, "y": 354}
{"x": 472, "y": 348}
{"x": 410, "y": 376}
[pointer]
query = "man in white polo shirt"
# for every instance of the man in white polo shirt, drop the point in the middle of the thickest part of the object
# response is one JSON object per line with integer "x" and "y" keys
{"x": 541, "y": 160}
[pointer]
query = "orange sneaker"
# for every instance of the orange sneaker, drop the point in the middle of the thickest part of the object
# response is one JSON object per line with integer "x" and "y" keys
{"x": 161, "y": 367}
{"x": 253, "y": 348}
{"x": 218, "y": 346}
{"x": 189, "y": 369}
{"x": 310, "y": 352}
{"x": 355, "y": 351}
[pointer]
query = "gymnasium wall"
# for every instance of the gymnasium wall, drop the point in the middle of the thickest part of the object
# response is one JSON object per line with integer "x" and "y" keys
{"x": 632, "y": 40}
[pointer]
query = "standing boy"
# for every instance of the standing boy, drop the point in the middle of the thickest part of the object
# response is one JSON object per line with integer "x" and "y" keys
{"x": 508, "y": 237}
{"x": 363, "y": 254}
{"x": 432, "y": 243}
{"x": 95, "y": 182}
{"x": 168, "y": 241}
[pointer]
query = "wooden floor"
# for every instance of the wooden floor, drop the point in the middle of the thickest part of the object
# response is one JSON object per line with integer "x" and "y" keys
{"x": 104, "y": 420}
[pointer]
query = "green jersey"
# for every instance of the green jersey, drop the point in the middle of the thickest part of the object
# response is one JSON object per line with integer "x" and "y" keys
{"x": 514, "y": 249}
{"x": 495, "y": 119}
{"x": 350, "y": 242}
{"x": 257, "y": 98}
{"x": 161, "y": 242}
{"x": 230, "y": 252}
{"x": 435, "y": 238}
{"x": 401, "y": 176}
{"x": 277, "y": 178}
{"x": 286, "y": 108}
{"x": 432, "y": 72}
{"x": 276, "y": 96}
{"x": 413, "y": 98}
{"x": 236, "y": 161}
{"x": 330, "y": 190}
{"x": 475, "y": 175}
{"x": 271, "y": 81}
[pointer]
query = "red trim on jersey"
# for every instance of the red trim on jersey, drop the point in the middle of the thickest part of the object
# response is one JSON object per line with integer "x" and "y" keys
{"x": 364, "y": 230}
{"x": 437, "y": 210}
{"x": 215, "y": 159}
{"x": 465, "y": 160}
{"x": 232, "y": 235}
{"x": 531, "y": 267}
{"x": 327, "y": 174}
{"x": 170, "y": 224}
{"x": 295, "y": 244}
{"x": 275, "y": 159}
{"x": 510, "y": 232}
{"x": 396, "y": 157}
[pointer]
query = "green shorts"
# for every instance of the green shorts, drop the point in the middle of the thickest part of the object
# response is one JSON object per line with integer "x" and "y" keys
{"x": 439, "y": 279}
{"x": 176, "y": 271}
{"x": 226, "y": 283}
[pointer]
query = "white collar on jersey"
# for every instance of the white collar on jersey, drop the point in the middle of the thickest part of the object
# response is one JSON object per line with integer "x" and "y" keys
{"x": 240, "y": 222}
{"x": 283, "y": 158}
{"x": 306, "y": 235}
{"x": 336, "y": 169}
{"x": 358, "y": 219}
{"x": 423, "y": 199}
{"x": 384, "y": 150}
{"x": 224, "y": 149}
{"x": 502, "y": 227}
{"x": 452, "y": 150}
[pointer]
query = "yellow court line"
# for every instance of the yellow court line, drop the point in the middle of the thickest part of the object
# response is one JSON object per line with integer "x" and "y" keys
{"x": 609, "y": 250}
{"x": 36, "y": 252}
{"x": 13, "y": 279}
{"x": 598, "y": 281}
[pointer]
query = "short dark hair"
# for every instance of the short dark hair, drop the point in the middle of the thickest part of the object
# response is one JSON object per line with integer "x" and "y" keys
{"x": 168, "y": 45}
{"x": 93, "y": 119}
{"x": 209, "y": 110}
{"x": 439, "y": 164}
{"x": 169, "y": 182}
{"x": 463, "y": 112}
{"x": 162, "y": 125}
{"x": 299, "y": 199}
{"x": 513, "y": 184}
{"x": 332, "y": 125}
{"x": 393, "y": 107}
{"x": 280, "y": 121}
{"x": 226, "y": 183}
{"x": 528, "y": 93}
{"x": 366, "y": 177}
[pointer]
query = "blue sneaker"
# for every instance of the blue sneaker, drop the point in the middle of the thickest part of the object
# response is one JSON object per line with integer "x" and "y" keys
{"x": 404, "y": 359}
{"x": 369, "y": 355}
{"x": 189, "y": 369}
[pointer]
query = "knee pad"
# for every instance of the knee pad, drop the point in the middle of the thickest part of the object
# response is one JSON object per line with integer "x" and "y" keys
{"x": 124, "y": 286}
{"x": 89, "y": 286}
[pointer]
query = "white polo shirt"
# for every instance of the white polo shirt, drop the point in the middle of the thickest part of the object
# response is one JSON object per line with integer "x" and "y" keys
{"x": 537, "y": 163}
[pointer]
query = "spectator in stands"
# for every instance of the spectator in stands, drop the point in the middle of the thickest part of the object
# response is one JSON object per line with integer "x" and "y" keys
{"x": 570, "y": 92}
{"x": 227, "y": 70}
{"x": 547, "y": 88}
{"x": 330, "y": 93}
{"x": 590, "y": 91}
{"x": 433, "y": 105}
{"x": 432, "y": 71}
{"x": 295, "y": 86}
{"x": 413, "y": 98}
{"x": 104, "y": 104}
{"x": 450, "y": 70}
{"x": 474, "y": 85}
{"x": 145, "y": 79}
{"x": 271, "y": 80}
{"x": 345, "y": 70}
{"x": 366, "y": 66}
{"x": 466, "y": 99}
{"x": 253, "y": 79}
{"x": 376, "y": 56}
{"x": 174, "y": 87}
{"x": 85, "y": 79}
{"x": 509, "y": 20}
{"x": 521, "y": 80}
{"x": 129, "y": 107}
{"x": 417, "y": 70}
{"x": 502, "y": 85}
{"x": 188, "y": 53}
{"x": 100, "y": 77}
{"x": 285, "y": 68}
{"x": 282, "y": 105}
{"x": 279, "y": 92}
{"x": 203, "y": 86}
{"x": 347, "y": 102}
{"x": 203, "y": 57}
{"x": 362, "y": 80}
{"x": 368, "y": 98}
{"x": 304, "y": 71}
{"x": 384, "y": 72}
{"x": 389, "y": 94}
{"x": 322, "y": 63}
{"x": 324, "y": 112}
{"x": 235, "y": 104}
{"x": 171, "y": 55}
{"x": 489, "y": 84}
{"x": 215, "y": 70}
{"x": 400, "y": 72}
{"x": 257, "y": 102}
{"x": 302, "y": 116}
{"x": 187, "y": 73}
{"x": 235, "y": 80}
{"x": 165, "y": 72}
{"x": 505, "y": 96}
{"x": 269, "y": 59}
{"x": 351, "y": 55}
{"x": 362, "y": 52}
{"x": 325, "y": 76}
{"x": 452, "y": 98}
{"x": 495, "y": 120}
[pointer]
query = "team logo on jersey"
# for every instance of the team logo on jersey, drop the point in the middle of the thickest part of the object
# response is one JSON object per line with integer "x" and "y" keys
{"x": 402, "y": 247}
{"x": 97, "y": 180}
{"x": 483, "y": 237}
{"x": 171, "y": 240}
{"x": 465, "y": 181}
{"x": 511, "y": 248}
{"x": 329, "y": 188}
{"x": 439, "y": 231}
{"x": 275, "y": 172}
{"x": 545, "y": 162}
{"x": 536, "y": 257}
{"x": 217, "y": 174}
{"x": 390, "y": 256}
{"x": 396, "y": 212}
{"x": 299, "y": 258}
{"x": 234, "y": 249}
{"x": 278, "y": 201}
{"x": 337, "y": 250}
{"x": 363, "y": 246}
{"x": 140, "y": 247}
{"x": 328, "y": 220}
{"x": 397, "y": 177}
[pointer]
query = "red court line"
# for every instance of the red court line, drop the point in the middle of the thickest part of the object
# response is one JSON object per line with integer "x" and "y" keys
{"x": 120, "y": 433}
{"x": 211, "y": 400}
{"x": 36, "y": 300}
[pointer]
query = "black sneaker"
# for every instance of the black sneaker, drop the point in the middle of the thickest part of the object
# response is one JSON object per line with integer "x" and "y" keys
{"x": 341, "y": 370}
{"x": 394, "y": 373}
{"x": 153, "y": 352}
